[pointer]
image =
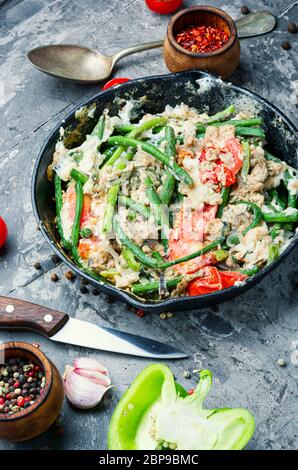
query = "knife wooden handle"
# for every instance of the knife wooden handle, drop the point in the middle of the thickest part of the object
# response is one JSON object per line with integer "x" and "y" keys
{"x": 19, "y": 314}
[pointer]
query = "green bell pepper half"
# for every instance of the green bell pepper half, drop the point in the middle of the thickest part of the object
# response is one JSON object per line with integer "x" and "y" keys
{"x": 155, "y": 413}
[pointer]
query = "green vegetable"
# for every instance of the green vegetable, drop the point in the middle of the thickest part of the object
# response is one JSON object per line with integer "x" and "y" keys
{"x": 134, "y": 206}
{"x": 292, "y": 198}
{"x": 159, "y": 214}
{"x": 135, "y": 132}
{"x": 234, "y": 122}
{"x": 86, "y": 232}
{"x": 275, "y": 230}
{"x": 177, "y": 422}
{"x": 281, "y": 217}
{"x": 157, "y": 256}
{"x": 271, "y": 157}
{"x": 99, "y": 128}
{"x": 250, "y": 271}
{"x": 246, "y": 160}
{"x": 77, "y": 175}
{"x": 273, "y": 253}
{"x": 250, "y": 132}
{"x": 135, "y": 249}
{"x": 201, "y": 252}
{"x": 110, "y": 208}
{"x": 179, "y": 172}
{"x": 170, "y": 150}
{"x": 257, "y": 215}
{"x": 75, "y": 233}
{"x": 275, "y": 197}
{"x": 153, "y": 286}
{"x": 221, "y": 255}
{"x": 77, "y": 156}
{"x": 130, "y": 259}
{"x": 225, "y": 192}
{"x": 222, "y": 115}
{"x": 59, "y": 203}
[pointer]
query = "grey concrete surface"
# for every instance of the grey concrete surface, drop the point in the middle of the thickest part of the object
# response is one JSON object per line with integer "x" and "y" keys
{"x": 241, "y": 340}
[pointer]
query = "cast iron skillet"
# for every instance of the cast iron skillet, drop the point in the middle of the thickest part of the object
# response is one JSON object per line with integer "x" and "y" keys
{"x": 197, "y": 89}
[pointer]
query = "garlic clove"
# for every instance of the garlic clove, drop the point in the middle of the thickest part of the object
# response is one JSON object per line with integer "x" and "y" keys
{"x": 88, "y": 363}
{"x": 95, "y": 376}
{"x": 81, "y": 391}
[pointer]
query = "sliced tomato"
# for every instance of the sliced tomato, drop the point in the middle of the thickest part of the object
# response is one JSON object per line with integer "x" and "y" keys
{"x": 3, "y": 232}
{"x": 70, "y": 197}
{"x": 233, "y": 146}
{"x": 228, "y": 278}
{"x": 210, "y": 282}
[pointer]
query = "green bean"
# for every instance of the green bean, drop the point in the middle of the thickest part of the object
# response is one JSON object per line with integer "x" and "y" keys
{"x": 86, "y": 232}
{"x": 159, "y": 214}
{"x": 170, "y": 150}
{"x": 157, "y": 256}
{"x": 134, "y": 206}
{"x": 222, "y": 115}
{"x": 108, "y": 152}
{"x": 78, "y": 175}
{"x": 257, "y": 215}
{"x": 221, "y": 255}
{"x": 234, "y": 122}
{"x": 135, "y": 249}
{"x": 99, "y": 128}
{"x": 292, "y": 198}
{"x": 178, "y": 171}
{"x": 130, "y": 259}
{"x": 128, "y": 157}
{"x": 124, "y": 128}
{"x": 154, "y": 286}
{"x": 110, "y": 208}
{"x": 280, "y": 217}
{"x": 196, "y": 254}
{"x": 273, "y": 253}
{"x": 83, "y": 268}
{"x": 250, "y": 131}
{"x": 275, "y": 230}
{"x": 225, "y": 192}
{"x": 135, "y": 132}
{"x": 275, "y": 196}
{"x": 75, "y": 233}
{"x": 250, "y": 271}
{"x": 59, "y": 203}
{"x": 246, "y": 160}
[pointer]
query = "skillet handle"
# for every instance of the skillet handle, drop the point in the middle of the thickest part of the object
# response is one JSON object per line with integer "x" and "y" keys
{"x": 19, "y": 314}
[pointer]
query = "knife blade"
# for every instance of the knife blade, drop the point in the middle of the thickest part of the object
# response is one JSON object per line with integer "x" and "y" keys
{"x": 58, "y": 326}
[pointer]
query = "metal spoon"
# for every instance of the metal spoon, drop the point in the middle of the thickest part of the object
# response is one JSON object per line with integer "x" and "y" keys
{"x": 83, "y": 65}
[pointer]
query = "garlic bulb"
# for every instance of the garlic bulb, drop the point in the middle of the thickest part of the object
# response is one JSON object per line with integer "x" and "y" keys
{"x": 86, "y": 382}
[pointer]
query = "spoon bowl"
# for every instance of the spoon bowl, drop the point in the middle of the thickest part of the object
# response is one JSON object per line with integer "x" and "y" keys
{"x": 72, "y": 62}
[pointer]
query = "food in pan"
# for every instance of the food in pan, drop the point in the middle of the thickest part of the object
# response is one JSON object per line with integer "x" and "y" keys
{"x": 173, "y": 204}
{"x": 156, "y": 413}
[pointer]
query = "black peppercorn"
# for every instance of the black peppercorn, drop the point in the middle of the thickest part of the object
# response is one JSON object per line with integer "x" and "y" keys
{"x": 292, "y": 27}
{"x": 37, "y": 265}
{"x": 95, "y": 292}
{"x": 83, "y": 290}
{"x": 55, "y": 258}
{"x": 54, "y": 277}
{"x": 286, "y": 45}
{"x": 244, "y": 10}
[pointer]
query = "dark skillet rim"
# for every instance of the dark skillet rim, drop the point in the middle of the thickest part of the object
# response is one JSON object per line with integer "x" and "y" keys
{"x": 176, "y": 303}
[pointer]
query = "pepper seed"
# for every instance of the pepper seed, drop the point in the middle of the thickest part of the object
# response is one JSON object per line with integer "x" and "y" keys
{"x": 281, "y": 362}
{"x": 292, "y": 27}
{"x": 286, "y": 45}
{"x": 54, "y": 277}
{"x": 37, "y": 265}
{"x": 70, "y": 275}
{"x": 163, "y": 316}
{"x": 244, "y": 10}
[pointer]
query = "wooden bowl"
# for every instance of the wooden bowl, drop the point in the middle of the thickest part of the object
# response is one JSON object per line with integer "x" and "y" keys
{"x": 42, "y": 414}
{"x": 222, "y": 62}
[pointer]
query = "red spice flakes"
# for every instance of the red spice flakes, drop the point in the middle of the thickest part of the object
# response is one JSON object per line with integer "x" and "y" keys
{"x": 202, "y": 39}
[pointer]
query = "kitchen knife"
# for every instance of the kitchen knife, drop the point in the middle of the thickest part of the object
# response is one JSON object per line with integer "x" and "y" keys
{"x": 58, "y": 326}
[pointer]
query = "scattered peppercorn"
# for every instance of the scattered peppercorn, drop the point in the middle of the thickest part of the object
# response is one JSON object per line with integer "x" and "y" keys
{"x": 37, "y": 265}
{"x": 244, "y": 10}
{"x": 286, "y": 45}
{"x": 55, "y": 258}
{"x": 296, "y": 105}
{"x": 54, "y": 277}
{"x": 281, "y": 362}
{"x": 70, "y": 275}
{"x": 83, "y": 290}
{"x": 162, "y": 316}
{"x": 95, "y": 292}
{"x": 84, "y": 282}
{"x": 292, "y": 27}
{"x": 21, "y": 384}
{"x": 140, "y": 313}
{"x": 169, "y": 314}
{"x": 110, "y": 300}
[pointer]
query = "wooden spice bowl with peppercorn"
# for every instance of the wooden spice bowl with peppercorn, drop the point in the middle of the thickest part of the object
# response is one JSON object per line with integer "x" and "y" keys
{"x": 31, "y": 392}
{"x": 203, "y": 38}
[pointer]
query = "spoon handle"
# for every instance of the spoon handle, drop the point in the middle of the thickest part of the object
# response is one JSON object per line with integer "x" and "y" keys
{"x": 255, "y": 24}
{"x": 132, "y": 50}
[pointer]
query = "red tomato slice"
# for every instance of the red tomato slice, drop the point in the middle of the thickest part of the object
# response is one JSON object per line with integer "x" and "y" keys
{"x": 3, "y": 232}
{"x": 114, "y": 82}
{"x": 163, "y": 7}
{"x": 228, "y": 278}
{"x": 210, "y": 282}
{"x": 234, "y": 147}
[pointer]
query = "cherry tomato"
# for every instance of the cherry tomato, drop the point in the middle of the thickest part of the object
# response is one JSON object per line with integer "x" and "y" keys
{"x": 210, "y": 282}
{"x": 114, "y": 82}
{"x": 3, "y": 232}
{"x": 163, "y": 7}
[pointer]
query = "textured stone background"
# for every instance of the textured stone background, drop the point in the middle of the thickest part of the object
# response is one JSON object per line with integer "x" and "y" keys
{"x": 241, "y": 340}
